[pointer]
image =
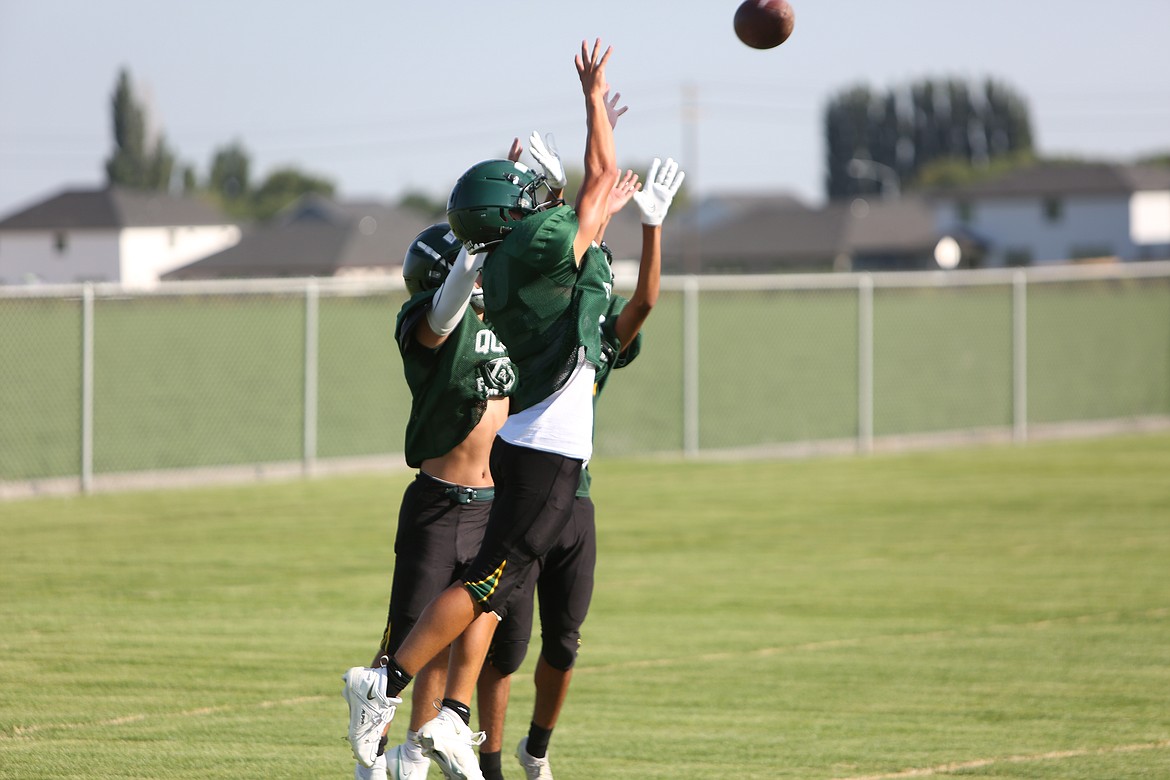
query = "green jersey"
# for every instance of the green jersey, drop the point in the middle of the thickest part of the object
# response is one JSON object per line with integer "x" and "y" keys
{"x": 545, "y": 307}
{"x": 616, "y": 359}
{"x": 450, "y": 385}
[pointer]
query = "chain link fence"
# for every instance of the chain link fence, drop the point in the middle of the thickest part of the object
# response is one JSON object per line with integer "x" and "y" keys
{"x": 236, "y": 379}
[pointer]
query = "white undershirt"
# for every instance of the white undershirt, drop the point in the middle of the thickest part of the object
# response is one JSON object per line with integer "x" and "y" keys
{"x": 561, "y": 423}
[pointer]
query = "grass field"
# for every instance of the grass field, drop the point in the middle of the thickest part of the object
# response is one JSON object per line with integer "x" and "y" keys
{"x": 219, "y": 380}
{"x": 996, "y": 613}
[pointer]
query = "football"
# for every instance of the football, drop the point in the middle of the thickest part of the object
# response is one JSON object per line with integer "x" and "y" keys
{"x": 764, "y": 24}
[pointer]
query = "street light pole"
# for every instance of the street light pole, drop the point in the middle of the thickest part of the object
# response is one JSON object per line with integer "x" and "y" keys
{"x": 860, "y": 168}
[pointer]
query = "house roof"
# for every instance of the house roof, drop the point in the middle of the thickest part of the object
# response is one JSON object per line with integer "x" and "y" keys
{"x": 315, "y": 237}
{"x": 902, "y": 225}
{"x": 787, "y": 234}
{"x": 113, "y": 207}
{"x": 1052, "y": 179}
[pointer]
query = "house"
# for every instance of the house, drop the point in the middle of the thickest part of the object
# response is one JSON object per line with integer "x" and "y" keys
{"x": 316, "y": 236}
{"x": 109, "y": 235}
{"x": 1058, "y": 212}
{"x": 771, "y": 234}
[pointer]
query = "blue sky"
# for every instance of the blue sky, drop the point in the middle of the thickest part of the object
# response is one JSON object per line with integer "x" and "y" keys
{"x": 384, "y": 97}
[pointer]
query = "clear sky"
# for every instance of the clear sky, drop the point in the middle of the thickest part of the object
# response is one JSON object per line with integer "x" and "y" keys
{"x": 385, "y": 96}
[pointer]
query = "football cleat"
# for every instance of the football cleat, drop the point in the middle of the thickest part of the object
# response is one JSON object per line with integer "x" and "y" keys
{"x": 400, "y": 766}
{"x": 449, "y": 742}
{"x": 370, "y": 711}
{"x": 534, "y": 768}
{"x": 375, "y": 772}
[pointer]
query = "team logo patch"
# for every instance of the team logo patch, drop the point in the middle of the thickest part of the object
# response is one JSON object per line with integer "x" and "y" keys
{"x": 497, "y": 377}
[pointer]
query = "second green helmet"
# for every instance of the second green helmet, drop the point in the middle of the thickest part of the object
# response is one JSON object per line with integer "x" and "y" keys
{"x": 429, "y": 258}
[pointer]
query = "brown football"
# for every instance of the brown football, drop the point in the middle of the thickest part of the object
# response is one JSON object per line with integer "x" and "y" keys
{"x": 763, "y": 24}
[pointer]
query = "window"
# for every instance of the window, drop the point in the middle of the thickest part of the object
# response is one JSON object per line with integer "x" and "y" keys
{"x": 61, "y": 242}
{"x": 1053, "y": 209}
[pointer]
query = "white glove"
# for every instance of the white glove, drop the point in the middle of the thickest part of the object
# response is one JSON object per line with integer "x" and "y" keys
{"x": 554, "y": 169}
{"x": 658, "y": 192}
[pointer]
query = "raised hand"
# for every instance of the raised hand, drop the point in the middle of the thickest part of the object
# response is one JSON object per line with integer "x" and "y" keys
{"x": 661, "y": 186}
{"x": 611, "y": 109}
{"x": 623, "y": 189}
{"x": 516, "y": 150}
{"x": 591, "y": 68}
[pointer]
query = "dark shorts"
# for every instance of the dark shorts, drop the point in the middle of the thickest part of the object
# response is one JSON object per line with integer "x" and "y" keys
{"x": 437, "y": 538}
{"x": 563, "y": 585}
{"x": 534, "y": 502}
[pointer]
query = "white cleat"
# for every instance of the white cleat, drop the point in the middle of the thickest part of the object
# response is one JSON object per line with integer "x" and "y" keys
{"x": 449, "y": 742}
{"x": 370, "y": 711}
{"x": 400, "y": 766}
{"x": 375, "y": 772}
{"x": 535, "y": 768}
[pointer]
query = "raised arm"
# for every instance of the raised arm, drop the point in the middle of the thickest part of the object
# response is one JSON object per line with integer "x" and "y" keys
{"x": 653, "y": 201}
{"x": 450, "y": 301}
{"x": 623, "y": 189}
{"x": 600, "y": 156}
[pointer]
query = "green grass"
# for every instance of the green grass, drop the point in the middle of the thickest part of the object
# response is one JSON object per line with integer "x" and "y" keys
{"x": 1005, "y": 611}
{"x": 211, "y": 380}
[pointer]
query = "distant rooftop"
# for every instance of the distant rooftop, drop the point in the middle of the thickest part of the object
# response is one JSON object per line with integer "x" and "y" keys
{"x": 1068, "y": 179}
{"x": 113, "y": 207}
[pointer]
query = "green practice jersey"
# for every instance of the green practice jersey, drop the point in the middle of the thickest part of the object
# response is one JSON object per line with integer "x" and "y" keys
{"x": 616, "y": 359}
{"x": 545, "y": 307}
{"x": 449, "y": 386}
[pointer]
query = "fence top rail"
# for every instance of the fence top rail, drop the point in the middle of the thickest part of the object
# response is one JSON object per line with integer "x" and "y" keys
{"x": 289, "y": 285}
{"x": 742, "y": 282}
{"x": 964, "y": 278}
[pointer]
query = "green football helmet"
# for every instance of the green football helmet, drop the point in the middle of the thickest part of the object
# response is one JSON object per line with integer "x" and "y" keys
{"x": 429, "y": 258}
{"x": 481, "y": 200}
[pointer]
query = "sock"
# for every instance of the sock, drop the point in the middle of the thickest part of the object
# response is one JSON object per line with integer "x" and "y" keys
{"x": 538, "y": 738}
{"x": 413, "y": 750}
{"x": 396, "y": 678}
{"x": 461, "y": 709}
{"x": 489, "y": 764}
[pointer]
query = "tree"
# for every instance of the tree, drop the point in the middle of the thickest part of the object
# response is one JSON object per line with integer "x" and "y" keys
{"x": 421, "y": 202}
{"x": 902, "y": 131}
{"x": 284, "y": 186}
{"x": 228, "y": 182}
{"x": 137, "y": 161}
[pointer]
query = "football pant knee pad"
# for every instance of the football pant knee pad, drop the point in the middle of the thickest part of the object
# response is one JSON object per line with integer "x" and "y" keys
{"x": 560, "y": 651}
{"x": 506, "y": 657}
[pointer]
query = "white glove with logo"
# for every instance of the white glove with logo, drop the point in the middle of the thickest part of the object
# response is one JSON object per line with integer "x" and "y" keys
{"x": 554, "y": 169}
{"x": 658, "y": 191}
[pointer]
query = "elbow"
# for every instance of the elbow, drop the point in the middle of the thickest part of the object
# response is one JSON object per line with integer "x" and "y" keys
{"x": 641, "y": 307}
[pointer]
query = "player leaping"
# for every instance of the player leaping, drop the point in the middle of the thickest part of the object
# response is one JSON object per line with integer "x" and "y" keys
{"x": 545, "y": 300}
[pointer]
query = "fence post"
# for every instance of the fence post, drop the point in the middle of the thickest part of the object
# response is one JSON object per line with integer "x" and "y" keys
{"x": 691, "y": 366}
{"x": 865, "y": 364}
{"x": 1020, "y": 357}
{"x": 87, "y": 388}
{"x": 312, "y": 295}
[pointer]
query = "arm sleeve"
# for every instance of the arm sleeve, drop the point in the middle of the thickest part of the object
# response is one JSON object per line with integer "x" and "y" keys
{"x": 451, "y": 298}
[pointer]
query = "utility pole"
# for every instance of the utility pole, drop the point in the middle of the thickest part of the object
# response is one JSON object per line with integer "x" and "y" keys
{"x": 692, "y": 252}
